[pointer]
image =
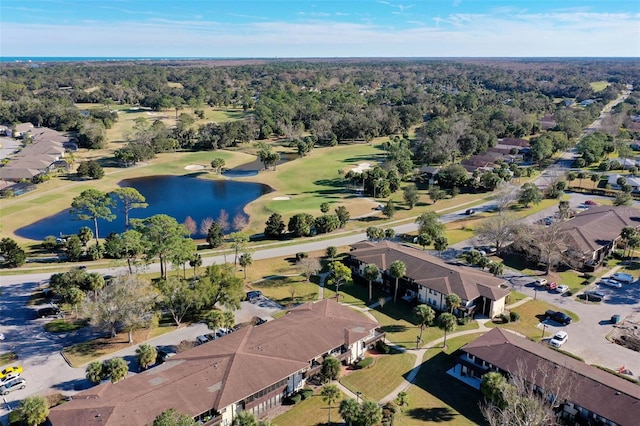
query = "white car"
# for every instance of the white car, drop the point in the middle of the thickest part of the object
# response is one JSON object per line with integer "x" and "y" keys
{"x": 611, "y": 283}
{"x": 623, "y": 278}
{"x": 562, "y": 288}
{"x": 540, "y": 282}
{"x": 558, "y": 339}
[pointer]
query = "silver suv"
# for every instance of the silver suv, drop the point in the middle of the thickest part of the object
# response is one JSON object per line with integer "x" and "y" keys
{"x": 12, "y": 384}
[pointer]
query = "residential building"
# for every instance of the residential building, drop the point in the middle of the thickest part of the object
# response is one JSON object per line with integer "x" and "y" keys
{"x": 592, "y": 235}
{"x": 632, "y": 181}
{"x": 591, "y": 395}
{"x": 430, "y": 280}
{"x": 252, "y": 369}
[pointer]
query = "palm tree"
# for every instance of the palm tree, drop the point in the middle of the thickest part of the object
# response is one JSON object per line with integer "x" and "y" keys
{"x": 627, "y": 233}
{"x": 424, "y": 316}
{"x": 330, "y": 394}
{"x": 349, "y": 410}
{"x": 580, "y": 176}
{"x": 446, "y": 322}
{"x": 371, "y": 273}
{"x": 594, "y": 178}
{"x": 453, "y": 302}
{"x": 33, "y": 410}
{"x": 397, "y": 270}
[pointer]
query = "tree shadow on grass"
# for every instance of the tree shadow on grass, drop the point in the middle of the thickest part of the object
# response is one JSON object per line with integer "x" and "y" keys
{"x": 395, "y": 328}
{"x": 436, "y": 414}
{"x": 433, "y": 378}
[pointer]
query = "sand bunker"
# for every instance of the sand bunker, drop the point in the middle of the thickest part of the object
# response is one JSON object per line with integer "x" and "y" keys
{"x": 281, "y": 198}
{"x": 194, "y": 167}
{"x": 361, "y": 167}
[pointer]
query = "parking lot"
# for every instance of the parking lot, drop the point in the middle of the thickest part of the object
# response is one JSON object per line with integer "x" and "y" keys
{"x": 588, "y": 336}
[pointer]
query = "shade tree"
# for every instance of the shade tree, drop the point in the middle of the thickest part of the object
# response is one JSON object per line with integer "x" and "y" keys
{"x": 127, "y": 199}
{"x": 92, "y": 204}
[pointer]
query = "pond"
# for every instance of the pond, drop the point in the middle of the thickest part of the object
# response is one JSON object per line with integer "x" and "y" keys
{"x": 176, "y": 196}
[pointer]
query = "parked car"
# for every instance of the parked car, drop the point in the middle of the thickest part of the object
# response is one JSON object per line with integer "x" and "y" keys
{"x": 559, "y": 317}
{"x": 590, "y": 203}
{"x": 559, "y": 339}
{"x": 13, "y": 384}
{"x": 202, "y": 339}
{"x": 551, "y": 286}
{"x": 469, "y": 212}
{"x": 592, "y": 296}
{"x": 540, "y": 282}
{"x": 562, "y": 288}
{"x": 253, "y": 294}
{"x": 610, "y": 283}
{"x": 10, "y": 372}
{"x": 49, "y": 312}
{"x": 488, "y": 249}
{"x": 260, "y": 321}
{"x": 623, "y": 278}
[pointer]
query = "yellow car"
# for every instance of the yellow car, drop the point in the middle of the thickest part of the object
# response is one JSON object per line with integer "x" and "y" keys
{"x": 9, "y": 372}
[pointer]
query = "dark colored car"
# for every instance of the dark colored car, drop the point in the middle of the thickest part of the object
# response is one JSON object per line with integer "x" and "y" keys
{"x": 260, "y": 321}
{"x": 469, "y": 212}
{"x": 50, "y": 312}
{"x": 254, "y": 294}
{"x": 559, "y": 317}
{"x": 592, "y": 296}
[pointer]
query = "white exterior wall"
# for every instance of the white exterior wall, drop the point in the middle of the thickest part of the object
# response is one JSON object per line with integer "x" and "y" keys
{"x": 295, "y": 382}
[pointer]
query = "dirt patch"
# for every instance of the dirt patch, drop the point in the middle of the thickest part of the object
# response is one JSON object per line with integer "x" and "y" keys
{"x": 627, "y": 333}
{"x": 281, "y": 198}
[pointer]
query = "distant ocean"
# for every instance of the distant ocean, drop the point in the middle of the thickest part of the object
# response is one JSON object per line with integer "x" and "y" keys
{"x": 93, "y": 58}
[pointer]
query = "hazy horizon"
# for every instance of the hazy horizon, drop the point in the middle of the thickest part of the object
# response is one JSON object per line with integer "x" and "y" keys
{"x": 288, "y": 29}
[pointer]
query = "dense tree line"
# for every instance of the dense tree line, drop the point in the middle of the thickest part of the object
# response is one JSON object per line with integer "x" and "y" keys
{"x": 462, "y": 107}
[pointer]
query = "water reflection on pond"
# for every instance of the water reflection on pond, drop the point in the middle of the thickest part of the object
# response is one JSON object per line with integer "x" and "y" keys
{"x": 176, "y": 196}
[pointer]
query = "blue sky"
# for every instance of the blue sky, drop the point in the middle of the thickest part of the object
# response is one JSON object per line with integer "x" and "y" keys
{"x": 320, "y": 28}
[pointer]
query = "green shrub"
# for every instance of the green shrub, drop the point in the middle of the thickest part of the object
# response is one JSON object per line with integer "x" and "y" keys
{"x": 295, "y": 398}
{"x": 382, "y": 347}
{"x": 504, "y": 318}
{"x": 306, "y": 393}
{"x": 463, "y": 321}
{"x": 514, "y": 316}
{"x": 364, "y": 363}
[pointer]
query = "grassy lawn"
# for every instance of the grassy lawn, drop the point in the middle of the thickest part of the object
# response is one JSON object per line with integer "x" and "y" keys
{"x": 64, "y": 325}
{"x": 289, "y": 290}
{"x": 436, "y": 397}
{"x": 531, "y": 313}
{"x": 398, "y": 323}
{"x": 382, "y": 377}
{"x": 599, "y": 86}
{"x": 83, "y": 353}
{"x": 353, "y": 294}
{"x": 7, "y": 357}
{"x": 310, "y": 412}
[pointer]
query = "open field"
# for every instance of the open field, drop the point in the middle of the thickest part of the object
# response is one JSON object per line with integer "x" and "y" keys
{"x": 375, "y": 382}
{"x": 599, "y": 86}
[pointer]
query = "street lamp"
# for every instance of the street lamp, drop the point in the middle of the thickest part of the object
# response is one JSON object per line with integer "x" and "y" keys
{"x": 358, "y": 396}
{"x": 544, "y": 327}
